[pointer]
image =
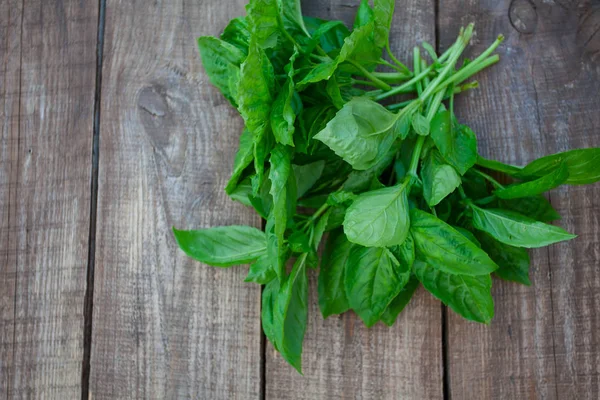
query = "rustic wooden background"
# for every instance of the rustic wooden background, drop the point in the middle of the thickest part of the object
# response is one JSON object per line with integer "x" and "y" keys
{"x": 110, "y": 134}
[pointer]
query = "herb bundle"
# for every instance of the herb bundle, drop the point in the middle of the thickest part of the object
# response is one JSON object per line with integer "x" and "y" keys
{"x": 399, "y": 187}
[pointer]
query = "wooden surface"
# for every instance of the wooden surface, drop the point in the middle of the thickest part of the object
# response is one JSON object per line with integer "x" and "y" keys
{"x": 47, "y": 75}
{"x": 166, "y": 327}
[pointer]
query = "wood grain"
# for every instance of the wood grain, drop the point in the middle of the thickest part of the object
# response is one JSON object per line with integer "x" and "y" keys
{"x": 165, "y": 326}
{"x": 541, "y": 98}
{"x": 342, "y": 359}
{"x": 48, "y": 66}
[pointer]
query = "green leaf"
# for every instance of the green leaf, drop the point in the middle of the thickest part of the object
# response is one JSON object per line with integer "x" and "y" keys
{"x": 222, "y": 246}
{"x": 513, "y": 262}
{"x": 277, "y": 249}
{"x": 261, "y": 271}
{"x": 361, "y": 133}
{"x": 468, "y": 296}
{"x": 222, "y": 62}
{"x": 269, "y": 304}
{"x": 329, "y": 34}
{"x": 282, "y": 113}
{"x": 332, "y": 295}
{"x": 283, "y": 190}
{"x": 384, "y": 11}
{"x": 243, "y": 158}
{"x": 536, "y": 207}
{"x": 439, "y": 179}
{"x": 420, "y": 124}
{"x": 446, "y": 249}
{"x": 379, "y": 217}
{"x": 299, "y": 242}
{"x": 359, "y": 181}
{"x": 535, "y": 187}
{"x": 457, "y": 143}
{"x": 400, "y": 302}
{"x": 364, "y": 14}
{"x": 307, "y": 175}
{"x": 582, "y": 165}
{"x": 469, "y": 235}
{"x": 291, "y": 313}
{"x": 237, "y": 34}
{"x": 373, "y": 279}
{"x": 517, "y": 230}
{"x": 242, "y": 192}
{"x": 263, "y": 22}
{"x": 291, "y": 11}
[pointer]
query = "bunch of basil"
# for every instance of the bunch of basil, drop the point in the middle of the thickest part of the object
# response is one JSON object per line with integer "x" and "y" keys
{"x": 399, "y": 187}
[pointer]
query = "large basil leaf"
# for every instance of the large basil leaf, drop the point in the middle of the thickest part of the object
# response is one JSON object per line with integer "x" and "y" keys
{"x": 283, "y": 190}
{"x": 222, "y": 62}
{"x": 379, "y": 217}
{"x": 307, "y": 175}
{"x": 361, "y": 132}
{"x": 291, "y": 11}
{"x": 262, "y": 271}
{"x": 457, "y": 143}
{"x": 383, "y": 11}
{"x": 237, "y": 34}
{"x": 536, "y": 207}
{"x": 517, "y": 230}
{"x": 400, "y": 302}
{"x": 223, "y": 246}
{"x": 329, "y": 34}
{"x": 263, "y": 21}
{"x": 468, "y": 296}
{"x": 582, "y": 165}
{"x": 243, "y": 158}
{"x": 373, "y": 279}
{"x": 291, "y": 313}
{"x": 439, "y": 179}
{"x": 332, "y": 294}
{"x": 446, "y": 249}
{"x": 513, "y": 262}
{"x": 535, "y": 187}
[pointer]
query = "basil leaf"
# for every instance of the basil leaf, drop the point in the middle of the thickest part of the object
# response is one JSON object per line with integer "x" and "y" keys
{"x": 269, "y": 304}
{"x": 242, "y": 192}
{"x": 359, "y": 181}
{"x": 364, "y": 14}
{"x": 400, "y": 302}
{"x": 222, "y": 62}
{"x": 263, "y": 22}
{"x": 439, "y": 179}
{"x": 443, "y": 248}
{"x": 261, "y": 271}
{"x": 379, "y": 218}
{"x": 373, "y": 279}
{"x": 282, "y": 112}
{"x": 291, "y": 11}
{"x": 332, "y": 295}
{"x": 582, "y": 165}
{"x": 469, "y": 235}
{"x": 222, "y": 246}
{"x": 536, "y": 207}
{"x": 384, "y": 11}
{"x": 291, "y": 313}
{"x": 535, "y": 187}
{"x": 420, "y": 124}
{"x": 329, "y": 34}
{"x": 513, "y": 262}
{"x": 468, "y": 296}
{"x": 243, "y": 158}
{"x": 361, "y": 133}
{"x": 283, "y": 190}
{"x": 237, "y": 34}
{"x": 307, "y": 175}
{"x": 517, "y": 230}
{"x": 457, "y": 143}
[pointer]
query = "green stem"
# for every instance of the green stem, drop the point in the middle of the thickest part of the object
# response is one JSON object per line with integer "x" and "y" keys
{"x": 316, "y": 215}
{"x": 361, "y": 82}
{"x": 488, "y": 178}
{"x": 497, "y": 166}
{"x": 462, "y": 193}
{"x": 389, "y": 64}
{"x": 379, "y": 83}
{"x": 402, "y": 88}
{"x": 471, "y": 70}
{"x": 394, "y": 59}
{"x": 457, "y": 90}
{"x": 414, "y": 161}
{"x": 392, "y": 77}
{"x": 417, "y": 68}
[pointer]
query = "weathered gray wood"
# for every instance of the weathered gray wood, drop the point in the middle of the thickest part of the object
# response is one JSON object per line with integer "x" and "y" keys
{"x": 342, "y": 358}
{"x": 165, "y": 326}
{"x": 542, "y": 98}
{"x": 48, "y": 74}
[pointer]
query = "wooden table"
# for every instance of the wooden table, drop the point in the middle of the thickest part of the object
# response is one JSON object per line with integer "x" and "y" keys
{"x": 111, "y": 134}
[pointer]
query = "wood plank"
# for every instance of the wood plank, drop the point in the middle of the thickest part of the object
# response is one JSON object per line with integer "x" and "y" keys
{"x": 165, "y": 326}
{"x": 48, "y": 144}
{"x": 540, "y": 99}
{"x": 342, "y": 358}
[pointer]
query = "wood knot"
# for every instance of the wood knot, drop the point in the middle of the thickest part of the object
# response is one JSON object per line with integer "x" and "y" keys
{"x": 153, "y": 101}
{"x": 523, "y": 16}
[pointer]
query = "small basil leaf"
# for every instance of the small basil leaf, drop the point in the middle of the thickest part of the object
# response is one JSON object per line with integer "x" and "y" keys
{"x": 307, "y": 175}
{"x": 261, "y": 271}
{"x": 582, "y": 165}
{"x": 513, "y": 262}
{"x": 384, "y": 11}
{"x": 364, "y": 14}
{"x": 243, "y": 158}
{"x": 299, "y": 242}
{"x": 444, "y": 248}
{"x": 468, "y": 296}
{"x": 373, "y": 279}
{"x": 535, "y": 187}
{"x": 439, "y": 178}
{"x": 517, "y": 230}
{"x": 332, "y": 295}
{"x": 457, "y": 143}
{"x": 400, "y": 302}
{"x": 269, "y": 304}
{"x": 222, "y": 246}
{"x": 379, "y": 218}
{"x": 237, "y": 34}
{"x": 420, "y": 124}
